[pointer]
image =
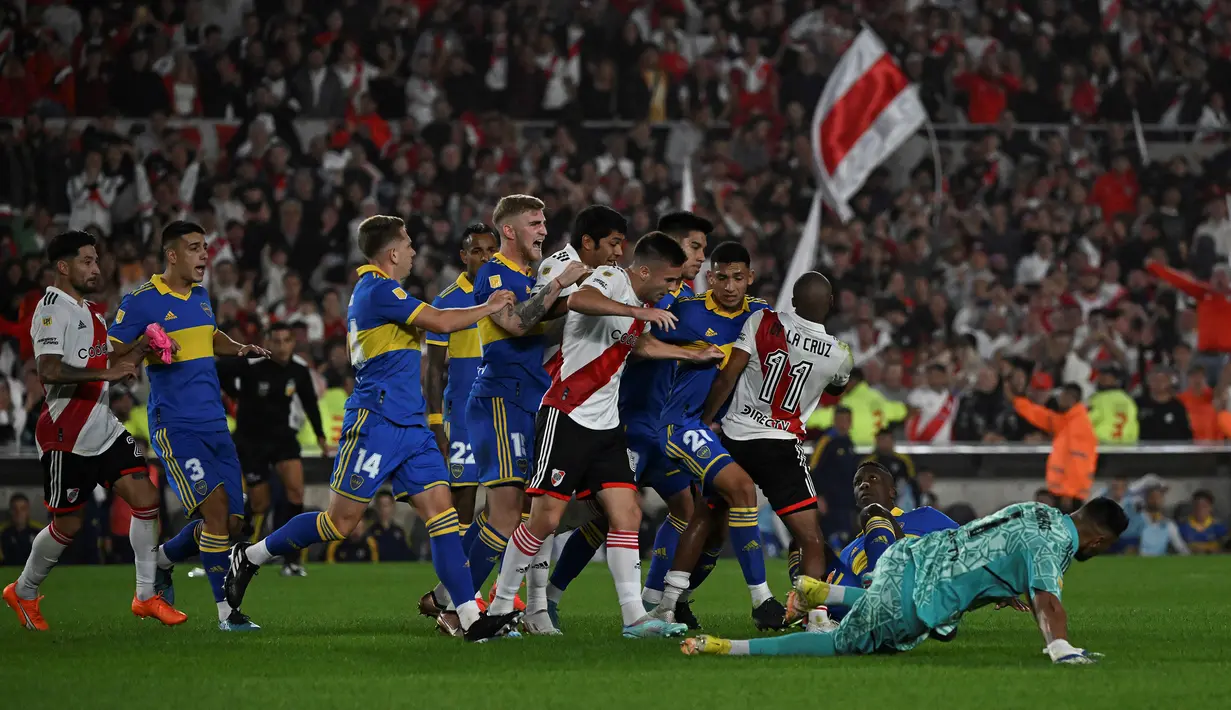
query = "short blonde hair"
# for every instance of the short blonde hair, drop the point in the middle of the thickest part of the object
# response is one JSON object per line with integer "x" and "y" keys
{"x": 511, "y": 206}
{"x": 376, "y": 233}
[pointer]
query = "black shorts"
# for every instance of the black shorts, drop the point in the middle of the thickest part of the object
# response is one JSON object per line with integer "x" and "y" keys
{"x": 69, "y": 479}
{"x": 780, "y": 468}
{"x": 257, "y": 457}
{"x": 573, "y": 460}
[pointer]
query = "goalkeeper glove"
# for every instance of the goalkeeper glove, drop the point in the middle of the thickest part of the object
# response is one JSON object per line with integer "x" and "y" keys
{"x": 1061, "y": 651}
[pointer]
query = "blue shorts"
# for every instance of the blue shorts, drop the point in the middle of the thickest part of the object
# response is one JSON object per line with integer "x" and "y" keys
{"x": 463, "y": 471}
{"x": 650, "y": 465}
{"x": 502, "y": 437}
{"x": 696, "y": 450}
{"x": 373, "y": 450}
{"x": 197, "y": 462}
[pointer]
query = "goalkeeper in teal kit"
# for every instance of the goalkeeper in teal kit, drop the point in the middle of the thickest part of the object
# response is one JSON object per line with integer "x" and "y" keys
{"x": 931, "y": 581}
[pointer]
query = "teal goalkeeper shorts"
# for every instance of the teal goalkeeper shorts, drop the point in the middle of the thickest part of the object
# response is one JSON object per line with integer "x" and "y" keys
{"x": 884, "y": 618}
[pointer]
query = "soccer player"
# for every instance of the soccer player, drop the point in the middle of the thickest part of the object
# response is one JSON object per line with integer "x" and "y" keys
{"x": 778, "y": 368}
{"x": 930, "y": 582}
{"x": 581, "y": 446}
{"x": 643, "y": 391}
{"x": 881, "y": 524}
{"x": 187, "y": 421}
{"x": 385, "y": 436}
{"x": 511, "y": 380}
{"x": 80, "y": 442}
{"x": 265, "y": 438}
{"x": 447, "y": 387}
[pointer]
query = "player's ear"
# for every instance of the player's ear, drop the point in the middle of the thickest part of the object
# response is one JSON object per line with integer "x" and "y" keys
{"x": 752, "y": 276}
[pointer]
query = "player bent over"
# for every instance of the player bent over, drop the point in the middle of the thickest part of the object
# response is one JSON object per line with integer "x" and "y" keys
{"x": 581, "y": 445}
{"x": 930, "y": 582}
{"x": 385, "y": 436}
{"x": 81, "y": 443}
{"x": 188, "y": 424}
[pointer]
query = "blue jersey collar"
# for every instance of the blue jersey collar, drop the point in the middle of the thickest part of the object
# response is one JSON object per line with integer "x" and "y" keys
{"x": 509, "y": 263}
{"x": 711, "y": 304}
{"x": 372, "y": 269}
{"x": 165, "y": 290}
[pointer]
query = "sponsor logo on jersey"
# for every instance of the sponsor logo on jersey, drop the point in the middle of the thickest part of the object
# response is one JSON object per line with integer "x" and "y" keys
{"x": 710, "y": 332}
{"x": 764, "y": 419}
{"x": 624, "y": 338}
{"x": 80, "y": 325}
{"x": 169, "y": 316}
{"x": 93, "y": 351}
{"x": 494, "y": 280}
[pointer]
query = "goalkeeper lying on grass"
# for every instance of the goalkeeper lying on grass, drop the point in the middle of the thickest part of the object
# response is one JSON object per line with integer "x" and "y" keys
{"x": 930, "y": 582}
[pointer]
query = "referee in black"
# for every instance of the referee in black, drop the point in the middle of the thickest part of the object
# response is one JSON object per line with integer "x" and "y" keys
{"x": 267, "y": 427}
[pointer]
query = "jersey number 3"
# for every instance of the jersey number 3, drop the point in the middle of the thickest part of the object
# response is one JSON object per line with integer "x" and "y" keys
{"x": 777, "y": 362}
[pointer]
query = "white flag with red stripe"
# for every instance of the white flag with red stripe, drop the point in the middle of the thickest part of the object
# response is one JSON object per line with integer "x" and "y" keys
{"x": 688, "y": 200}
{"x": 868, "y": 109}
{"x": 1110, "y": 11}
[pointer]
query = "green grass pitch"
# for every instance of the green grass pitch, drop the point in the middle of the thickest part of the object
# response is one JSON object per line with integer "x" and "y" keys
{"x": 348, "y": 636}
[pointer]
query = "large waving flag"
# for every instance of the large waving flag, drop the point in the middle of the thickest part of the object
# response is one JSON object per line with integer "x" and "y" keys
{"x": 688, "y": 200}
{"x": 868, "y": 109}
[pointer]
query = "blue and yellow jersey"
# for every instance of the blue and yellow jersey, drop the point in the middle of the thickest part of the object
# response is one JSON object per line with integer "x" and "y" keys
{"x": 385, "y": 348}
{"x": 916, "y": 523}
{"x": 1203, "y": 536}
{"x": 701, "y": 322}
{"x": 465, "y": 353}
{"x": 645, "y": 384}
{"x": 186, "y": 391}
{"x": 512, "y": 366}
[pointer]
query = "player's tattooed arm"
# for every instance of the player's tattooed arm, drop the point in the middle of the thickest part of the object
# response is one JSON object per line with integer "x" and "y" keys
{"x": 724, "y": 385}
{"x": 433, "y": 381}
{"x": 451, "y": 320}
{"x": 519, "y": 318}
{"x": 53, "y": 371}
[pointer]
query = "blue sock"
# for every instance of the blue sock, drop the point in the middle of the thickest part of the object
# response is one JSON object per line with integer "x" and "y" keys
{"x": 301, "y": 531}
{"x": 665, "y": 542}
{"x": 448, "y": 557}
{"x": 794, "y": 559}
{"x": 578, "y": 552}
{"x": 746, "y": 539}
{"x": 215, "y": 560}
{"x": 878, "y": 535}
{"x": 802, "y": 644}
{"x": 472, "y": 531}
{"x": 485, "y": 554}
{"x": 184, "y": 544}
{"x": 705, "y": 565}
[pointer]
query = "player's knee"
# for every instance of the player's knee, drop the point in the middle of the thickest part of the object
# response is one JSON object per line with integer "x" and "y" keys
{"x": 68, "y": 525}
{"x": 680, "y": 505}
{"x": 545, "y": 518}
{"x": 294, "y": 495}
{"x": 741, "y": 493}
{"x": 141, "y": 494}
{"x": 625, "y": 516}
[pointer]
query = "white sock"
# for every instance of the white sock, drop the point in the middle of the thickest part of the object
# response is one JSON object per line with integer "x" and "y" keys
{"x": 48, "y": 545}
{"x": 164, "y": 561}
{"x": 760, "y": 593}
{"x": 522, "y": 548}
{"x": 675, "y": 586}
{"x": 258, "y": 554}
{"x": 651, "y": 596}
{"x": 468, "y": 613}
{"x": 538, "y": 576}
{"x": 740, "y": 648}
{"x": 224, "y": 611}
{"x": 554, "y": 593}
{"x": 143, "y": 536}
{"x": 836, "y": 595}
{"x": 624, "y": 561}
{"x": 442, "y": 595}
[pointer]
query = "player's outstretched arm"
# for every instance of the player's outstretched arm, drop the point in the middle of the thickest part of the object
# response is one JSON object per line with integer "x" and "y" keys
{"x": 451, "y": 320}
{"x": 224, "y": 346}
{"x": 53, "y": 371}
{"x": 518, "y": 318}
{"x": 724, "y": 385}
{"x": 654, "y": 349}
{"x": 1054, "y": 625}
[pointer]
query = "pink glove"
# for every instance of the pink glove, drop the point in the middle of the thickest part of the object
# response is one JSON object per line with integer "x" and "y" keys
{"x": 160, "y": 342}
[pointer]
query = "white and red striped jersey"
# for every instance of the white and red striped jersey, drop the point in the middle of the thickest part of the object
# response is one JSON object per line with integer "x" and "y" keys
{"x": 75, "y": 418}
{"x": 550, "y": 268}
{"x": 790, "y": 363}
{"x": 595, "y": 349}
{"x": 934, "y": 420}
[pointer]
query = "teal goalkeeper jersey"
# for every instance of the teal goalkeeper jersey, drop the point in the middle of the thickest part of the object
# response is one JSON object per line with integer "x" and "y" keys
{"x": 1025, "y": 548}
{"x": 184, "y": 392}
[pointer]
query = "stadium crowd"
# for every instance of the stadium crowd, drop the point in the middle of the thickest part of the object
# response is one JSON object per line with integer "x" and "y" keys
{"x": 1060, "y": 251}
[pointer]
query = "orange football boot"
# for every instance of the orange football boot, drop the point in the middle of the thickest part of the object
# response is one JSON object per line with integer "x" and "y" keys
{"x": 157, "y": 608}
{"x": 518, "y": 604}
{"x": 27, "y": 609}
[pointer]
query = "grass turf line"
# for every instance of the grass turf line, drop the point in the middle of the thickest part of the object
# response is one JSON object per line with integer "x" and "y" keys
{"x": 349, "y": 636}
